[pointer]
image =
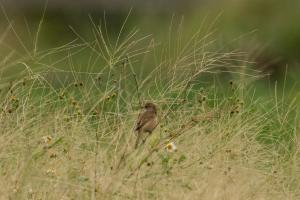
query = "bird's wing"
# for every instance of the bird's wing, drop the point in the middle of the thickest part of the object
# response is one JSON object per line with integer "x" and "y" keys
{"x": 143, "y": 119}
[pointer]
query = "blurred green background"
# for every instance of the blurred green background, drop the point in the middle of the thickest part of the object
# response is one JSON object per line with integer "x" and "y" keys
{"x": 267, "y": 30}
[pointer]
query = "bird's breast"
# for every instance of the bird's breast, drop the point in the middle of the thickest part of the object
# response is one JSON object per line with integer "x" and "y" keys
{"x": 150, "y": 125}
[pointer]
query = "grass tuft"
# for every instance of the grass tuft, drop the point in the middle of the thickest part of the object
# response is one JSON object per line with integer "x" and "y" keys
{"x": 66, "y": 126}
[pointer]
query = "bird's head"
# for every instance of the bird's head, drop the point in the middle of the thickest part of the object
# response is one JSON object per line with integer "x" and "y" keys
{"x": 150, "y": 106}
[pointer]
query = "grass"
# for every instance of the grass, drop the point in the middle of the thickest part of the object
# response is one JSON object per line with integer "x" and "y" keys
{"x": 66, "y": 132}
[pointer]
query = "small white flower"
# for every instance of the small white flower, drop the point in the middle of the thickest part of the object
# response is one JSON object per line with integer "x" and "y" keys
{"x": 51, "y": 172}
{"x": 30, "y": 191}
{"x": 171, "y": 147}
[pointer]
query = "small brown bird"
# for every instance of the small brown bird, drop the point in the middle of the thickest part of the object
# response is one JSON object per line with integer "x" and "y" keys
{"x": 146, "y": 122}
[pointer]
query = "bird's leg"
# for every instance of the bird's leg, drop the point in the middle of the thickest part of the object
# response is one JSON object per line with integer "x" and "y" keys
{"x": 144, "y": 140}
{"x": 137, "y": 141}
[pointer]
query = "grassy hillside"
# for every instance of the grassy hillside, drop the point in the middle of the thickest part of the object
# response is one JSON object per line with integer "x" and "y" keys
{"x": 67, "y": 118}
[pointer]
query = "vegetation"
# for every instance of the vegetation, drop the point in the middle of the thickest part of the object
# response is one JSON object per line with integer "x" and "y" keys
{"x": 66, "y": 125}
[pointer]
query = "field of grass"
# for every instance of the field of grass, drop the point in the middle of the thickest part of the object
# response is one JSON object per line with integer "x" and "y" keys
{"x": 67, "y": 118}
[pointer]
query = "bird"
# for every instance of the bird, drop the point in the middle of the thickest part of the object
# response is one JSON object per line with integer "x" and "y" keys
{"x": 146, "y": 122}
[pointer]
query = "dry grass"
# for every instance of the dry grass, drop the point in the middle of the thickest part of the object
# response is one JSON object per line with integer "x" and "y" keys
{"x": 67, "y": 134}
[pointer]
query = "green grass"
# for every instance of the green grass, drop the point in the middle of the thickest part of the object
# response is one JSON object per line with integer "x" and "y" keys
{"x": 66, "y": 125}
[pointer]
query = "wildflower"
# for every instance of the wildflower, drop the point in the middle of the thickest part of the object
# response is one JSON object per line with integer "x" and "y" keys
{"x": 61, "y": 95}
{"x": 171, "y": 147}
{"x": 96, "y": 112}
{"x": 50, "y": 172}
{"x": 228, "y": 150}
{"x": 172, "y": 134}
{"x": 30, "y": 191}
{"x": 107, "y": 98}
{"x": 66, "y": 118}
{"x": 74, "y": 103}
{"x": 13, "y": 98}
{"x": 113, "y": 95}
{"x": 149, "y": 164}
{"x": 53, "y": 155}
{"x": 47, "y": 139}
